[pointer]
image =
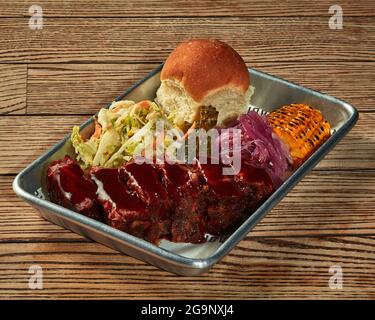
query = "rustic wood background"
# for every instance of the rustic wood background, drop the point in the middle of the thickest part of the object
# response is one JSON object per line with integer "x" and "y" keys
{"x": 90, "y": 51}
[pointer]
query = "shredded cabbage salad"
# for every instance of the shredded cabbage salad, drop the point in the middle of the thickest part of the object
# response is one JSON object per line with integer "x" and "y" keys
{"x": 119, "y": 130}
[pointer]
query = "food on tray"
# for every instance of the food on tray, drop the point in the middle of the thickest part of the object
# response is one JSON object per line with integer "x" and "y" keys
{"x": 302, "y": 128}
{"x": 231, "y": 198}
{"x": 204, "y": 73}
{"x": 154, "y": 201}
{"x": 260, "y": 147}
{"x": 119, "y": 130}
{"x": 204, "y": 85}
{"x": 68, "y": 186}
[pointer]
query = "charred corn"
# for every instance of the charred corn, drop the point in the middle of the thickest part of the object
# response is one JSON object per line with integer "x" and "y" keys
{"x": 302, "y": 128}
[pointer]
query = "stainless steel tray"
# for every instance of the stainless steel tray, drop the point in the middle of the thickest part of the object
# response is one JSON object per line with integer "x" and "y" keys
{"x": 270, "y": 93}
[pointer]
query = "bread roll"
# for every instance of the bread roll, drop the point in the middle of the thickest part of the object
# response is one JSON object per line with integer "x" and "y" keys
{"x": 203, "y": 73}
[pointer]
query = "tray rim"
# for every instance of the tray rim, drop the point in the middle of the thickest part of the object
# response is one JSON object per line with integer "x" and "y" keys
{"x": 240, "y": 233}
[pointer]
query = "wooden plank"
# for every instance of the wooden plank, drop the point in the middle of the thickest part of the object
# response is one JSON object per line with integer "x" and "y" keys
{"x": 292, "y": 268}
{"x": 323, "y": 203}
{"x": 85, "y": 88}
{"x": 356, "y": 150}
{"x": 152, "y": 39}
{"x": 164, "y": 8}
{"x": 13, "y": 89}
{"x": 23, "y": 139}
{"x": 79, "y": 88}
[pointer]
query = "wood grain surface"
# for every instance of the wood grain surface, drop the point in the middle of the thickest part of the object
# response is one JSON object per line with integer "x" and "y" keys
{"x": 286, "y": 267}
{"x": 13, "y": 89}
{"x": 151, "y": 39}
{"x": 183, "y": 8}
{"x": 88, "y": 52}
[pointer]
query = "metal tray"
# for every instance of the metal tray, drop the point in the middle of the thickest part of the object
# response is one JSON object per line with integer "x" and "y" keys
{"x": 270, "y": 93}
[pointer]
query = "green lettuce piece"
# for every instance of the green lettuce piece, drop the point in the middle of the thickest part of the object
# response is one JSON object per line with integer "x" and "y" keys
{"x": 127, "y": 148}
{"x": 123, "y": 134}
{"x": 85, "y": 150}
{"x": 106, "y": 118}
{"x": 109, "y": 143}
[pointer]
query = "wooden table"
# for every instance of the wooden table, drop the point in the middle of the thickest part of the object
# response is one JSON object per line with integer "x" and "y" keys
{"x": 90, "y": 51}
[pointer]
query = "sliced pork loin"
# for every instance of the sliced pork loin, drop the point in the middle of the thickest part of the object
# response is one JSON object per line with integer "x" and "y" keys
{"x": 153, "y": 201}
{"x": 145, "y": 180}
{"x": 178, "y": 202}
{"x": 184, "y": 185}
{"x": 231, "y": 199}
{"x": 127, "y": 207}
{"x": 69, "y": 187}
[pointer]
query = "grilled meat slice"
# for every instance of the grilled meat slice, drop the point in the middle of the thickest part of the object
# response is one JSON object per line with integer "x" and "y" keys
{"x": 125, "y": 210}
{"x": 230, "y": 198}
{"x": 184, "y": 186}
{"x": 68, "y": 186}
{"x": 178, "y": 202}
{"x": 145, "y": 180}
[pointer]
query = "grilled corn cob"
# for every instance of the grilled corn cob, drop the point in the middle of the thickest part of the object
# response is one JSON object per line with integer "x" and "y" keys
{"x": 302, "y": 128}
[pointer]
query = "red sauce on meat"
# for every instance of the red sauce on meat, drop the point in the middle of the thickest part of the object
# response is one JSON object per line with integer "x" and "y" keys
{"x": 68, "y": 186}
{"x": 250, "y": 175}
{"x": 73, "y": 181}
{"x": 145, "y": 180}
{"x": 154, "y": 201}
{"x": 178, "y": 175}
{"x": 177, "y": 181}
{"x": 222, "y": 185}
{"x": 118, "y": 191}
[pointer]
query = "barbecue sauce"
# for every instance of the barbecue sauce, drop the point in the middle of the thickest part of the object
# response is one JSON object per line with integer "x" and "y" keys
{"x": 145, "y": 180}
{"x": 222, "y": 185}
{"x": 68, "y": 186}
{"x": 117, "y": 193}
